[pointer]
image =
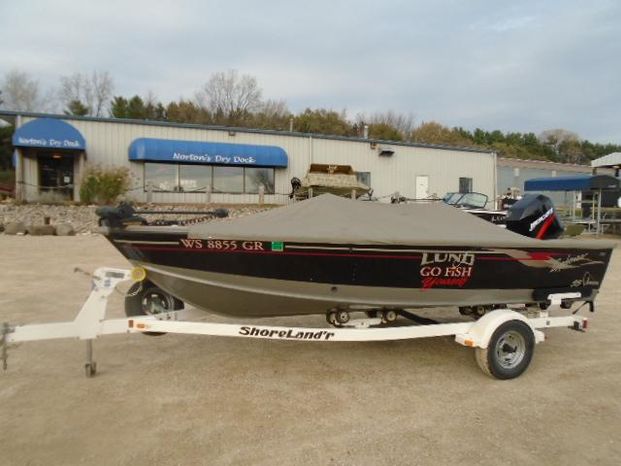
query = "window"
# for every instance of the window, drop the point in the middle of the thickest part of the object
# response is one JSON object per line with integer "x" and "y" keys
{"x": 253, "y": 177}
{"x": 194, "y": 178}
{"x": 228, "y": 179}
{"x": 166, "y": 177}
{"x": 465, "y": 185}
{"x": 364, "y": 178}
{"x": 162, "y": 177}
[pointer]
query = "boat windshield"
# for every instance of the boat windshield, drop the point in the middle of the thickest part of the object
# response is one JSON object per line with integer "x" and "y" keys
{"x": 452, "y": 198}
{"x": 470, "y": 200}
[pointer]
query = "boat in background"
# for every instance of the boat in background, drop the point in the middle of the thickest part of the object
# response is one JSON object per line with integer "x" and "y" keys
{"x": 475, "y": 204}
{"x": 340, "y": 180}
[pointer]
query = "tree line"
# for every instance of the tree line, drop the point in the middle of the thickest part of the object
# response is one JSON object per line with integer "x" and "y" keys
{"x": 232, "y": 99}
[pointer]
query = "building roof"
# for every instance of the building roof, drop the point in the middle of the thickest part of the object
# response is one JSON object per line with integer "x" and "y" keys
{"x": 12, "y": 115}
{"x": 572, "y": 183}
{"x": 610, "y": 160}
{"x": 542, "y": 164}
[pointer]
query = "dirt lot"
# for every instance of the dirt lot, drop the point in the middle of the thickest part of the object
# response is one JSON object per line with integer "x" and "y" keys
{"x": 208, "y": 400}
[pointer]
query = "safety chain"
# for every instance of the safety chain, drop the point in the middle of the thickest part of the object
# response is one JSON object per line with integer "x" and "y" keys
{"x": 135, "y": 292}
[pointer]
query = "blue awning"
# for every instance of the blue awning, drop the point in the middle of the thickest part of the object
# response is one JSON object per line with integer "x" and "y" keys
{"x": 206, "y": 153}
{"x": 49, "y": 133}
{"x": 572, "y": 183}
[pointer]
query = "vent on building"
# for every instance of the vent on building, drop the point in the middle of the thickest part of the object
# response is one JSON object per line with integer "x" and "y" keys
{"x": 385, "y": 151}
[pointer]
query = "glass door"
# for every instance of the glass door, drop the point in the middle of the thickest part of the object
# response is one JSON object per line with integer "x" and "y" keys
{"x": 56, "y": 174}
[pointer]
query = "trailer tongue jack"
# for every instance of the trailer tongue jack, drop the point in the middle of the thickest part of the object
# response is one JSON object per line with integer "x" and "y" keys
{"x": 503, "y": 339}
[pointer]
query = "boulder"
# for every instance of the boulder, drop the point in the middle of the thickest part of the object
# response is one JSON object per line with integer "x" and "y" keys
{"x": 65, "y": 229}
{"x": 41, "y": 230}
{"x": 15, "y": 228}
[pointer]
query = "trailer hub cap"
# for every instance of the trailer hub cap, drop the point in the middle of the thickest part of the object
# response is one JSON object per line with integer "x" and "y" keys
{"x": 156, "y": 302}
{"x": 510, "y": 349}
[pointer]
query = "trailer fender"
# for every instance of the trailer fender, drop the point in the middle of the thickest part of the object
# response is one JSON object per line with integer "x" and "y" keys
{"x": 482, "y": 330}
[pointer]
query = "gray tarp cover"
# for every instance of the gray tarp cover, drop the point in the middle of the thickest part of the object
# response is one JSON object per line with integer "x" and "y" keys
{"x": 336, "y": 220}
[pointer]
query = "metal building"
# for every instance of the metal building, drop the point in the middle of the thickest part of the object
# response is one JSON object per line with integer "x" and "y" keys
{"x": 185, "y": 163}
{"x": 513, "y": 173}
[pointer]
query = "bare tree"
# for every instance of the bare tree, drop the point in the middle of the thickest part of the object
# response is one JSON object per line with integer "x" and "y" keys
{"x": 21, "y": 92}
{"x": 102, "y": 88}
{"x": 230, "y": 95}
{"x": 92, "y": 91}
{"x": 276, "y": 108}
{"x": 402, "y": 123}
{"x": 556, "y": 137}
{"x": 72, "y": 89}
{"x": 271, "y": 114}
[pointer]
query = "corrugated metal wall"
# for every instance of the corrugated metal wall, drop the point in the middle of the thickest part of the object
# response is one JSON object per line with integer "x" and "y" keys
{"x": 108, "y": 143}
{"x": 514, "y": 177}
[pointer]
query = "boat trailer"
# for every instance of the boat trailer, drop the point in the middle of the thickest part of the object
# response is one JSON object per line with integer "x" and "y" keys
{"x": 503, "y": 339}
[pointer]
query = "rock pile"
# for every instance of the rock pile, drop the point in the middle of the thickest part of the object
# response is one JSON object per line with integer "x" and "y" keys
{"x": 68, "y": 220}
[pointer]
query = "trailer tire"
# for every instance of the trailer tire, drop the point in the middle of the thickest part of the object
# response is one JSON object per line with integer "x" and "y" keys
{"x": 509, "y": 351}
{"x": 145, "y": 290}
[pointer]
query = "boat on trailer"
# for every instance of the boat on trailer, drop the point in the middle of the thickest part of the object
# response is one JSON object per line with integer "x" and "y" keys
{"x": 336, "y": 256}
{"x": 333, "y": 255}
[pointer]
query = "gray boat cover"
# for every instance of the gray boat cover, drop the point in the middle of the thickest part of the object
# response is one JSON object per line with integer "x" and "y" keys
{"x": 336, "y": 220}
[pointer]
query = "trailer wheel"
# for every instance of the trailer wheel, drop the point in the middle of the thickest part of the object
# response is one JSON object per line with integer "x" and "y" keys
{"x": 508, "y": 352}
{"x": 390, "y": 315}
{"x": 146, "y": 299}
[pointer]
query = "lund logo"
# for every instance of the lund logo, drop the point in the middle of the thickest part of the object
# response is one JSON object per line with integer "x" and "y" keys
{"x": 446, "y": 269}
{"x": 455, "y": 258}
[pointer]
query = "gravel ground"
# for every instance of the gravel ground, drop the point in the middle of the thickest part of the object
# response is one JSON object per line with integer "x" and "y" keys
{"x": 207, "y": 400}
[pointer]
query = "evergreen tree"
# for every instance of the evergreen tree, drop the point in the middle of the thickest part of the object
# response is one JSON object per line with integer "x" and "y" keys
{"x": 75, "y": 107}
{"x": 118, "y": 108}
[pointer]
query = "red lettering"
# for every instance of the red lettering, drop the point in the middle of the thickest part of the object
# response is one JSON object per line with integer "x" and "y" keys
{"x": 430, "y": 282}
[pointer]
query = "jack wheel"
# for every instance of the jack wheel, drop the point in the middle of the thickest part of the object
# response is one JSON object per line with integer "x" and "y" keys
{"x": 509, "y": 351}
{"x": 331, "y": 317}
{"x": 90, "y": 369}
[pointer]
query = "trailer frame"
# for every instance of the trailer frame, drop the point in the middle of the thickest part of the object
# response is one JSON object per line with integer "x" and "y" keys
{"x": 91, "y": 323}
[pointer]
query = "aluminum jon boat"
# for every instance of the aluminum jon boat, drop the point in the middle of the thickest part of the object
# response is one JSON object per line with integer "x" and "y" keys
{"x": 330, "y": 254}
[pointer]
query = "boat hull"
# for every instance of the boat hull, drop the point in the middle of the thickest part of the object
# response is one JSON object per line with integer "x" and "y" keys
{"x": 261, "y": 278}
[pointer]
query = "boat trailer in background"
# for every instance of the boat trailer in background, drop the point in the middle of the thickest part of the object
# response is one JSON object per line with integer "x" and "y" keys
{"x": 503, "y": 339}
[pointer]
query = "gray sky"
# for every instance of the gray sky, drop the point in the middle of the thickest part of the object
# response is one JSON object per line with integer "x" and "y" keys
{"x": 523, "y": 66}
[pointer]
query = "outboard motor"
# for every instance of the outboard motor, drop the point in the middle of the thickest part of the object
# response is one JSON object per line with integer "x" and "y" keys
{"x": 534, "y": 216}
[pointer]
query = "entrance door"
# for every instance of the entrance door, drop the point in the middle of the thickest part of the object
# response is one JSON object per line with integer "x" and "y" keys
{"x": 56, "y": 174}
{"x": 422, "y": 187}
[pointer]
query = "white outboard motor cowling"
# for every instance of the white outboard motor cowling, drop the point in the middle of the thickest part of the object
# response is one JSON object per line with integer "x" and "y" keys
{"x": 534, "y": 216}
